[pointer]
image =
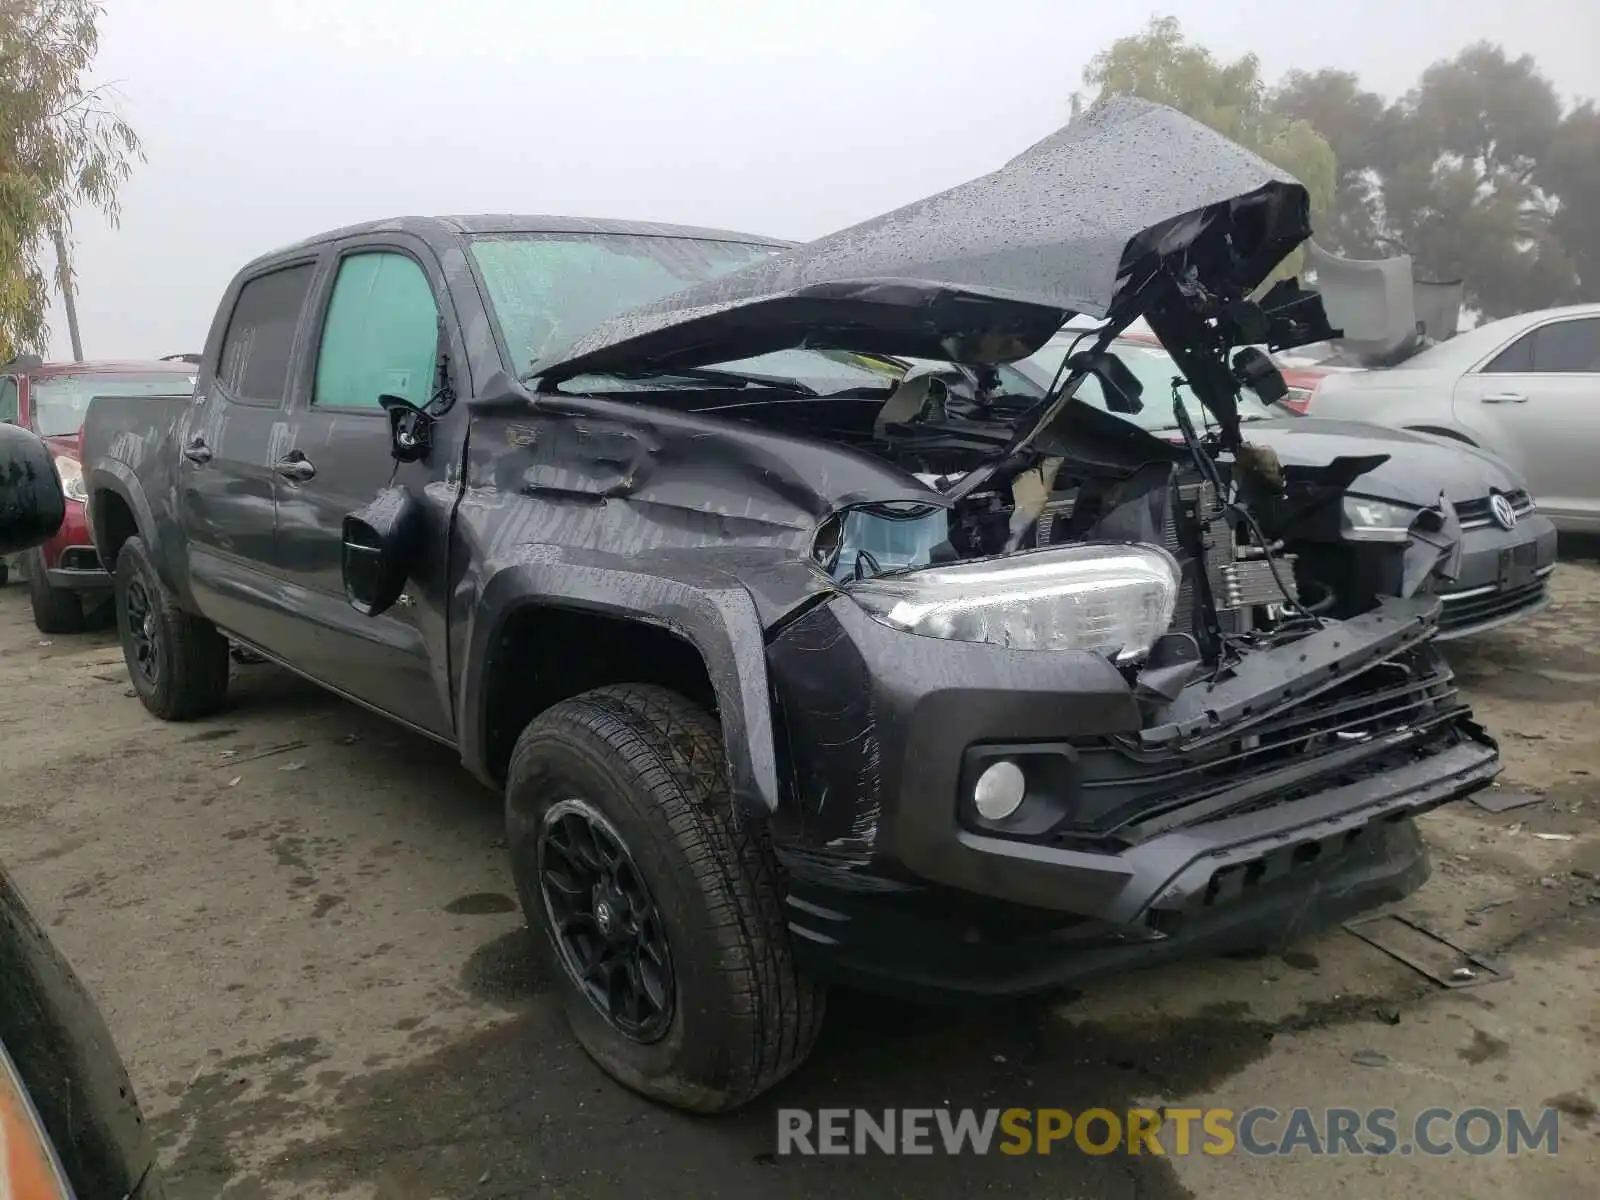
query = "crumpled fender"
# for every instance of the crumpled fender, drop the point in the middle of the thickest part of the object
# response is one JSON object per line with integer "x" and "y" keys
{"x": 706, "y": 607}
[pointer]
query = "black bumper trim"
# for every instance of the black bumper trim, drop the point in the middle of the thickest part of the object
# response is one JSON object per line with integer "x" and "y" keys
{"x": 885, "y": 949}
{"x": 78, "y": 581}
{"x": 1126, "y": 904}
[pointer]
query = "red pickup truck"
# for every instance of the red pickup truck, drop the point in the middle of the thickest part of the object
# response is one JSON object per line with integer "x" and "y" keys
{"x": 64, "y": 575}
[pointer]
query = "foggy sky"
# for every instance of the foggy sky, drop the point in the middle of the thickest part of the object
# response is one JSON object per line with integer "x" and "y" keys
{"x": 265, "y": 124}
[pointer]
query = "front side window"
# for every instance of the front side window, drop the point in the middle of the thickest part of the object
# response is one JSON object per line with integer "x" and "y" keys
{"x": 60, "y": 402}
{"x": 381, "y": 334}
{"x": 1568, "y": 347}
{"x": 260, "y": 338}
{"x": 547, "y": 289}
{"x": 8, "y": 399}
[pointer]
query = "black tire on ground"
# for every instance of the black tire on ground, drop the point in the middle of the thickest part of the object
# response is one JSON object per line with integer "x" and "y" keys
{"x": 653, "y": 766}
{"x": 5, "y": 573}
{"x": 55, "y": 610}
{"x": 187, "y": 675}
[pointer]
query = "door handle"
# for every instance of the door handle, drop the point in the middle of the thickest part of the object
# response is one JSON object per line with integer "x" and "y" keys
{"x": 197, "y": 451}
{"x": 295, "y": 467}
{"x": 1505, "y": 398}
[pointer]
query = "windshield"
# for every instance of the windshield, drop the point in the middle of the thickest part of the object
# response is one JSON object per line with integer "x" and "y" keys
{"x": 60, "y": 402}
{"x": 1154, "y": 368}
{"x": 548, "y": 288}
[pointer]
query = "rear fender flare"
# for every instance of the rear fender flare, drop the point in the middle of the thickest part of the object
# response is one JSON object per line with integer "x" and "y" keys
{"x": 712, "y": 612}
{"x": 119, "y": 479}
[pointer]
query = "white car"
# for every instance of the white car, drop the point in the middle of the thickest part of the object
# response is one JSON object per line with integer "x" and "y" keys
{"x": 1526, "y": 388}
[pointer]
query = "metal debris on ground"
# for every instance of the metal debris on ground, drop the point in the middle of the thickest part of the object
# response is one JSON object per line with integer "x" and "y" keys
{"x": 283, "y": 748}
{"x": 1369, "y": 1058}
{"x": 1499, "y": 800}
{"x": 294, "y": 766}
{"x": 1424, "y": 951}
{"x": 1553, "y": 837}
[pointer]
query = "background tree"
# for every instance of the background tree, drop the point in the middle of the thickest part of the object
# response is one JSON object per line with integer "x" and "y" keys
{"x": 1569, "y": 173}
{"x": 61, "y": 146}
{"x": 1458, "y": 161}
{"x": 1475, "y": 172}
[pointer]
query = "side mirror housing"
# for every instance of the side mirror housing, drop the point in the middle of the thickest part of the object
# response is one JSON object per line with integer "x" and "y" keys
{"x": 379, "y": 544}
{"x": 32, "y": 504}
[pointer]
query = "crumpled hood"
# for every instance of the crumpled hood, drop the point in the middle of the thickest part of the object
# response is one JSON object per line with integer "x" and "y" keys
{"x": 1419, "y": 466}
{"x": 989, "y": 270}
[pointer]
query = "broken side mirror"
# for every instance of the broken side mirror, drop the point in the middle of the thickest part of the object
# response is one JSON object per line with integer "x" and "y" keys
{"x": 1254, "y": 370}
{"x": 379, "y": 545}
{"x": 1119, "y": 385}
{"x": 410, "y": 429}
{"x": 32, "y": 503}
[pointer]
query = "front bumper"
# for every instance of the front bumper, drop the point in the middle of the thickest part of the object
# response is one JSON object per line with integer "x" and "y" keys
{"x": 70, "y": 560}
{"x": 1504, "y": 576}
{"x": 1246, "y": 814}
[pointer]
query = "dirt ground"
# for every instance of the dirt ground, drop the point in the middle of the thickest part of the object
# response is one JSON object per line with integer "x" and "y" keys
{"x": 300, "y": 926}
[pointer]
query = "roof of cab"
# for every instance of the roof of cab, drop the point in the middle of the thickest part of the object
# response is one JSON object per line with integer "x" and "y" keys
{"x": 451, "y": 227}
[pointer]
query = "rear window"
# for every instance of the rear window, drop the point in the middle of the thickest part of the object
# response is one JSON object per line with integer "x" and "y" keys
{"x": 260, "y": 337}
{"x": 60, "y": 402}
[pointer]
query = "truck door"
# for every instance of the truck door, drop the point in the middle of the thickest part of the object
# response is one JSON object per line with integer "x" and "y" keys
{"x": 225, "y": 449}
{"x": 1537, "y": 403}
{"x": 377, "y": 333}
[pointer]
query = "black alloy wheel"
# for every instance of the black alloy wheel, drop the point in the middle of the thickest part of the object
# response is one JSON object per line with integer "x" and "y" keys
{"x": 608, "y": 934}
{"x": 142, "y": 635}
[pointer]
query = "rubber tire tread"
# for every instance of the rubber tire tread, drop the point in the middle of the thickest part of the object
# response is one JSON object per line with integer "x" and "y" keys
{"x": 195, "y": 658}
{"x": 675, "y": 749}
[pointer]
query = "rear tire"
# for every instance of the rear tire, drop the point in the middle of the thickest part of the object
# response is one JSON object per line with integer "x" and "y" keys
{"x": 55, "y": 610}
{"x": 646, "y": 768}
{"x": 178, "y": 662}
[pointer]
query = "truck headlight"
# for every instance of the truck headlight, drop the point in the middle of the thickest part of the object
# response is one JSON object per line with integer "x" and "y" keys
{"x": 71, "y": 472}
{"x": 1107, "y": 598}
{"x": 1368, "y": 520}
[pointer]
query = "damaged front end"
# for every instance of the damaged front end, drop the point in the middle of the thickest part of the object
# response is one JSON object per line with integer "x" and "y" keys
{"x": 1017, "y": 738}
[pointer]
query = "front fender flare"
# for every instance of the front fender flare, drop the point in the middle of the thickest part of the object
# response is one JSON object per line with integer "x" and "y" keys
{"x": 710, "y": 610}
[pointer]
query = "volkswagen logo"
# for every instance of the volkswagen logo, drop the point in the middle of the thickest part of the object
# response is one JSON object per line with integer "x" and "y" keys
{"x": 1500, "y": 509}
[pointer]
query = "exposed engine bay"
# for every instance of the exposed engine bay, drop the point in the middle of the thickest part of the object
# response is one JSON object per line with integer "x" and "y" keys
{"x": 1258, "y": 544}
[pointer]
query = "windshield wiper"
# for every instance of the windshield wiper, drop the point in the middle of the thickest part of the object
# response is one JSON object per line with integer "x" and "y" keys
{"x": 739, "y": 380}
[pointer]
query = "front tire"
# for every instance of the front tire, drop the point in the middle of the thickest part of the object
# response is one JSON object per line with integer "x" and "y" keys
{"x": 178, "y": 662}
{"x": 55, "y": 610}
{"x": 626, "y": 848}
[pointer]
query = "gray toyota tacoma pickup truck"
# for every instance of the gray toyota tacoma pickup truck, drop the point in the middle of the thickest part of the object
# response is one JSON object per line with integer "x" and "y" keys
{"x": 726, "y": 561}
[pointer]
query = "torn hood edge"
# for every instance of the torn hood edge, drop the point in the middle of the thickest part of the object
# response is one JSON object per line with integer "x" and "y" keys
{"x": 988, "y": 271}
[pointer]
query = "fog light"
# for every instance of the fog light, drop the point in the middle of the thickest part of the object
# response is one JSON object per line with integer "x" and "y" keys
{"x": 999, "y": 791}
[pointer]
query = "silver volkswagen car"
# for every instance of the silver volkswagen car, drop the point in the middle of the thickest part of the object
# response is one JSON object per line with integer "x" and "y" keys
{"x": 1526, "y": 388}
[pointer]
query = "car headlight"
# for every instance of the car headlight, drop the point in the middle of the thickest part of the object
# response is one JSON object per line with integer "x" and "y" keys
{"x": 1111, "y": 599}
{"x": 1368, "y": 520}
{"x": 71, "y": 472}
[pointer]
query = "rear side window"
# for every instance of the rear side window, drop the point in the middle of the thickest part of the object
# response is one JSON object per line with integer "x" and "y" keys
{"x": 1568, "y": 346}
{"x": 381, "y": 334}
{"x": 1515, "y": 359}
{"x": 8, "y": 400}
{"x": 260, "y": 337}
